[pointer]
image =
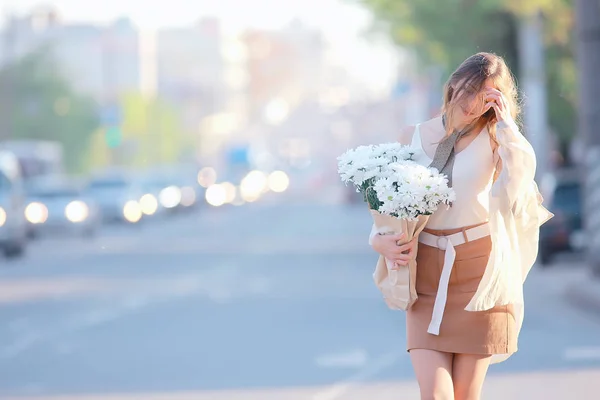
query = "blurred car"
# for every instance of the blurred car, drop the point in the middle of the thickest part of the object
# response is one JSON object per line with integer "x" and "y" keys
{"x": 174, "y": 188}
{"x": 117, "y": 196}
{"x": 13, "y": 226}
{"x": 154, "y": 200}
{"x": 60, "y": 206}
{"x": 563, "y": 233}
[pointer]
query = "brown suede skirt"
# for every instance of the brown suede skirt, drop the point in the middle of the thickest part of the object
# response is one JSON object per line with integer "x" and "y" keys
{"x": 466, "y": 332}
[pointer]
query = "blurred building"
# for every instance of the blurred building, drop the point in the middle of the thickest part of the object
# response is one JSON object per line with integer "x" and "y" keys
{"x": 190, "y": 69}
{"x": 285, "y": 68}
{"x": 102, "y": 61}
{"x": 267, "y": 76}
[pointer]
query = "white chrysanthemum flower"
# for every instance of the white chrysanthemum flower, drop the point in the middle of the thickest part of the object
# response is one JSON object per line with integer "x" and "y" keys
{"x": 412, "y": 190}
{"x": 392, "y": 182}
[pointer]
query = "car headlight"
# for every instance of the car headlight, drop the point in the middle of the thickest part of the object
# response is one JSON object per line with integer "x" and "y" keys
{"x": 170, "y": 197}
{"x": 132, "y": 211}
{"x": 2, "y": 216}
{"x": 36, "y": 213}
{"x": 77, "y": 211}
{"x": 149, "y": 204}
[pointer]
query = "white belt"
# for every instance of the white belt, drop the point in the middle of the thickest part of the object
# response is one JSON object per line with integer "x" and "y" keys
{"x": 448, "y": 243}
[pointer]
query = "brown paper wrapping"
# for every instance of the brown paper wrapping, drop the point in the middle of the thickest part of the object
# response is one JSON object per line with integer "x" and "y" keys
{"x": 398, "y": 286}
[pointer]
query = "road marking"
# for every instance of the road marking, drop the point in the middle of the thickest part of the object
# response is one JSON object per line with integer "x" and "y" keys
{"x": 19, "y": 324}
{"x": 65, "y": 348}
{"x": 220, "y": 295}
{"x": 174, "y": 290}
{"x": 221, "y": 285}
{"x": 135, "y": 302}
{"x": 32, "y": 389}
{"x": 352, "y": 359}
{"x": 98, "y": 317}
{"x": 259, "y": 286}
{"x": 582, "y": 353}
{"x": 21, "y": 344}
{"x": 370, "y": 370}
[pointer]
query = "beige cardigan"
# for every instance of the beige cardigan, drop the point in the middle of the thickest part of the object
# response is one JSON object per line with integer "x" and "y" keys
{"x": 516, "y": 214}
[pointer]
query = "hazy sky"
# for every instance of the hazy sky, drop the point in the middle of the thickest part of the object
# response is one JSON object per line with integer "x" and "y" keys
{"x": 340, "y": 21}
{"x": 265, "y": 13}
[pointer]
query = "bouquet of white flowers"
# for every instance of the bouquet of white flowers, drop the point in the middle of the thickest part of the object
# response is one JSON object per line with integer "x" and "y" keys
{"x": 365, "y": 165}
{"x": 401, "y": 195}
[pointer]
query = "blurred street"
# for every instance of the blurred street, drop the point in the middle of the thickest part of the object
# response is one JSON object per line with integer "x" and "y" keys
{"x": 264, "y": 301}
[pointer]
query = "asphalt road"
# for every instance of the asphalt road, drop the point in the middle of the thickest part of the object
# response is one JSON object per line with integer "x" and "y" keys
{"x": 263, "y": 301}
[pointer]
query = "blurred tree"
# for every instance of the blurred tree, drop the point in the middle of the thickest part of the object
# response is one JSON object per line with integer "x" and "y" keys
{"x": 446, "y": 32}
{"x": 99, "y": 155}
{"x": 36, "y": 102}
{"x": 153, "y": 130}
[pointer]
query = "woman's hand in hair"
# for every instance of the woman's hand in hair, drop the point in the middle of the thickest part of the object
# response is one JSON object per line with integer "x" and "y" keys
{"x": 496, "y": 100}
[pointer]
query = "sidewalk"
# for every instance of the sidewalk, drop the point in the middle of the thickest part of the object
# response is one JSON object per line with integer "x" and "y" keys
{"x": 583, "y": 290}
{"x": 571, "y": 279}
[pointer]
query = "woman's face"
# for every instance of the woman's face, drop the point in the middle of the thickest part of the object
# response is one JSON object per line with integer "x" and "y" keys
{"x": 469, "y": 102}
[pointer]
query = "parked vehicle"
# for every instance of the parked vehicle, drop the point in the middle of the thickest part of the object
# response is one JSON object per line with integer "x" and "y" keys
{"x": 13, "y": 226}
{"x": 60, "y": 206}
{"x": 175, "y": 187}
{"x": 564, "y": 232}
{"x": 117, "y": 196}
{"x": 36, "y": 158}
{"x": 154, "y": 201}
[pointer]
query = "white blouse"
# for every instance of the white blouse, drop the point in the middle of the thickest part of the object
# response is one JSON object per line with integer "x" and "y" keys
{"x": 471, "y": 185}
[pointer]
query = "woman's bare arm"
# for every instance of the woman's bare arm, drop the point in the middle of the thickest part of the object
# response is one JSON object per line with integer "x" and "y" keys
{"x": 406, "y": 134}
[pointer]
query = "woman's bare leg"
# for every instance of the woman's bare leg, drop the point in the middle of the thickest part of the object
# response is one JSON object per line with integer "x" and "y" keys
{"x": 434, "y": 374}
{"x": 468, "y": 374}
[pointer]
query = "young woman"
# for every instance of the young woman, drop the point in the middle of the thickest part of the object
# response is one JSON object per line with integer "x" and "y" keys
{"x": 472, "y": 257}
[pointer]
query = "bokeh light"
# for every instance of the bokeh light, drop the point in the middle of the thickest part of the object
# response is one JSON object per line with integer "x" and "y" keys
{"x": 36, "y": 213}
{"x": 132, "y": 212}
{"x": 207, "y": 176}
{"x": 149, "y": 204}
{"x": 278, "y": 181}
{"x": 216, "y": 195}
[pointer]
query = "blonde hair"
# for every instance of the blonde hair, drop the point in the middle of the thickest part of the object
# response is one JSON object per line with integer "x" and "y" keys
{"x": 469, "y": 79}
